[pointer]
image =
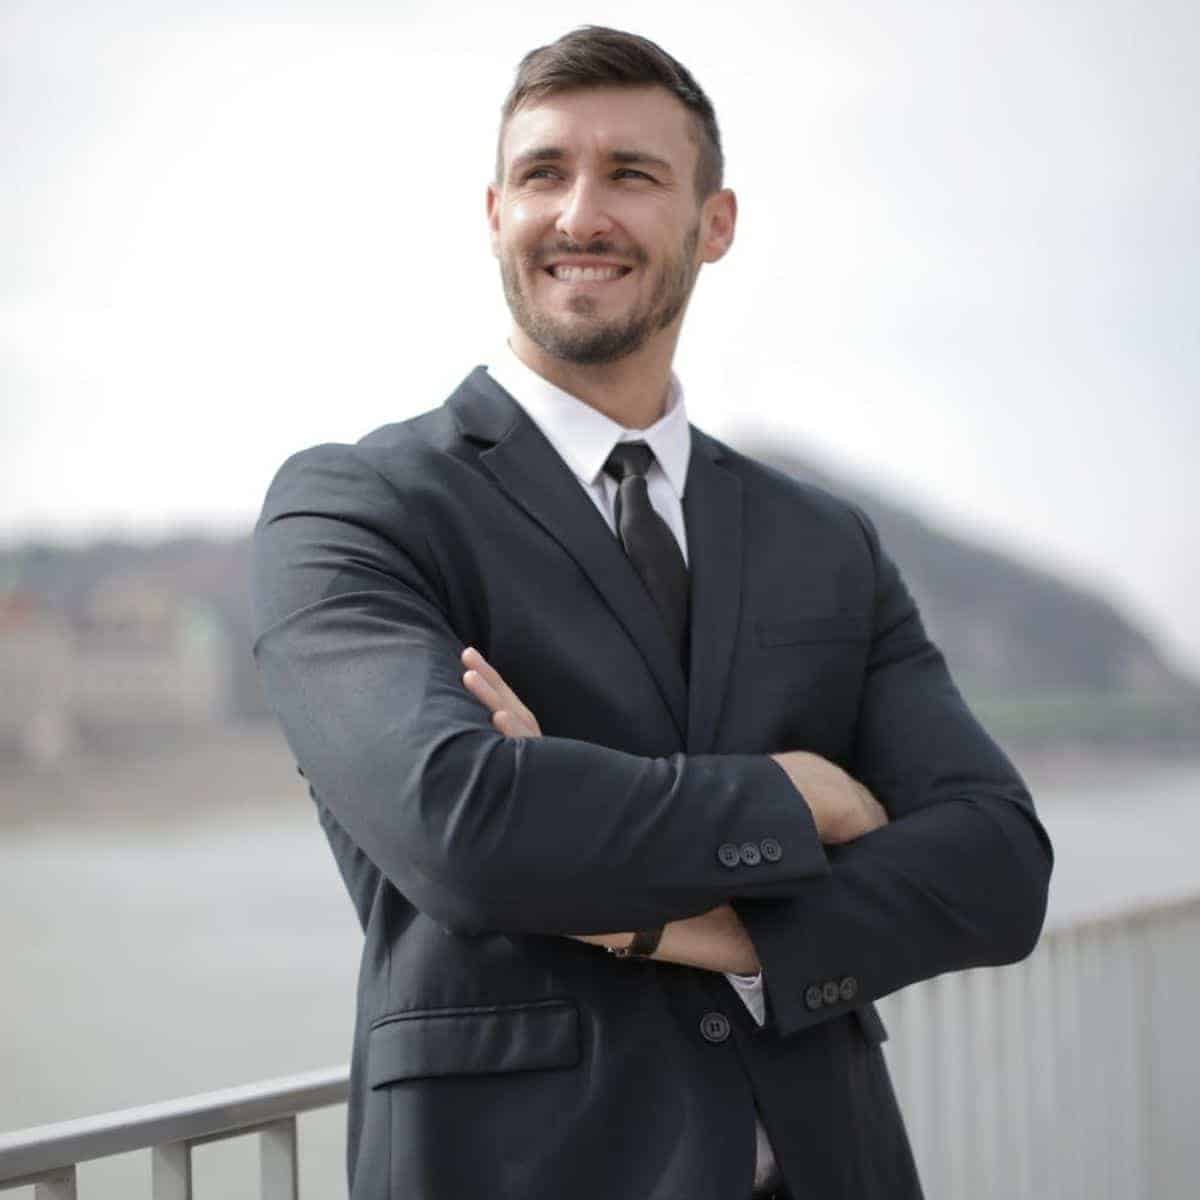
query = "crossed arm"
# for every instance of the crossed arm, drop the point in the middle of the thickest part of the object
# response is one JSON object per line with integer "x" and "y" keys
{"x": 359, "y": 659}
{"x": 842, "y": 808}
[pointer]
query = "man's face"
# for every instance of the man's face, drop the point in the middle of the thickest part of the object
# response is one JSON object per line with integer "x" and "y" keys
{"x": 596, "y": 223}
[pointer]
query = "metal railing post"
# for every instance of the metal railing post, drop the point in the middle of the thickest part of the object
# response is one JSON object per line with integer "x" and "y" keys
{"x": 277, "y": 1161}
{"x": 60, "y": 1185}
{"x": 1072, "y": 1075}
{"x": 171, "y": 1172}
{"x": 45, "y": 1156}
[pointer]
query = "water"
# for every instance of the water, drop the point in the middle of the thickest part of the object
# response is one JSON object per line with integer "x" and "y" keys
{"x": 145, "y": 962}
{"x": 142, "y": 966}
{"x": 1123, "y": 839}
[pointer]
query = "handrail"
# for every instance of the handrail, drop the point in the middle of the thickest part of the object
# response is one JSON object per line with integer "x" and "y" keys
{"x": 28, "y": 1156}
{"x": 1106, "y": 997}
{"x": 1124, "y": 912}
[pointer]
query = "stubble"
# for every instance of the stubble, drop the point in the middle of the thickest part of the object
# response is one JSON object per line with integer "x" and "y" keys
{"x": 591, "y": 340}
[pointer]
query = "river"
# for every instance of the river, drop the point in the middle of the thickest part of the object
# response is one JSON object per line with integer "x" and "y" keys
{"x": 150, "y": 958}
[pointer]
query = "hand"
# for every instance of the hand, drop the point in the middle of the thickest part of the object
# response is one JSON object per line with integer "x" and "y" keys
{"x": 484, "y": 682}
{"x": 513, "y": 719}
{"x": 713, "y": 941}
{"x": 842, "y": 808}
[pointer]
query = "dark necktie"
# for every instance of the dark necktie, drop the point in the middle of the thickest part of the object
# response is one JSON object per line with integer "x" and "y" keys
{"x": 649, "y": 542}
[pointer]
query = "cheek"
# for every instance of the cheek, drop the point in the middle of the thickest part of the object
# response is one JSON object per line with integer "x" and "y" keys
{"x": 523, "y": 222}
{"x": 653, "y": 236}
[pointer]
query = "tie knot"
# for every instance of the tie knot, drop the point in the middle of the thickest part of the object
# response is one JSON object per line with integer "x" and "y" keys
{"x": 628, "y": 459}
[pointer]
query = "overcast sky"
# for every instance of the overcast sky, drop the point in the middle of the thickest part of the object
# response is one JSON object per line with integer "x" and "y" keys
{"x": 966, "y": 264}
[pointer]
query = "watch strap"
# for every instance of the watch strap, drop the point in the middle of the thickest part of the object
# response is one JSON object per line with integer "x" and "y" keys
{"x": 644, "y": 943}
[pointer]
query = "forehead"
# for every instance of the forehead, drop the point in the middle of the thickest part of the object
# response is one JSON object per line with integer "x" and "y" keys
{"x": 601, "y": 120}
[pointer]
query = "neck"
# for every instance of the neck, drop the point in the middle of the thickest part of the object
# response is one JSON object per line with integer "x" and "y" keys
{"x": 632, "y": 391}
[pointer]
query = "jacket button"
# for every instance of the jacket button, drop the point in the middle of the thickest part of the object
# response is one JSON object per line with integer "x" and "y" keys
{"x": 772, "y": 851}
{"x": 848, "y": 988}
{"x": 749, "y": 854}
{"x": 830, "y": 992}
{"x": 714, "y": 1027}
{"x": 729, "y": 855}
{"x": 813, "y": 998}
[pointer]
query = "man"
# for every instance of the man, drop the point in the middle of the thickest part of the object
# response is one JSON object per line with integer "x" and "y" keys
{"x": 637, "y": 763}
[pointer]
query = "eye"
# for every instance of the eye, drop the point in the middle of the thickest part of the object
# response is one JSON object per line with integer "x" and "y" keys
{"x": 538, "y": 173}
{"x": 632, "y": 172}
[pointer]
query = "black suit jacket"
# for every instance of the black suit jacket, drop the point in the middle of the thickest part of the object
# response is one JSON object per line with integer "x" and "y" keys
{"x": 494, "y": 1058}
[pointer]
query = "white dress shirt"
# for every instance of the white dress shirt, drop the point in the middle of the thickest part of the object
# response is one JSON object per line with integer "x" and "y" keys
{"x": 584, "y": 438}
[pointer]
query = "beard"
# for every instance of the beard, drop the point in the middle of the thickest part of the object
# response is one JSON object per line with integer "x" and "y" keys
{"x": 591, "y": 341}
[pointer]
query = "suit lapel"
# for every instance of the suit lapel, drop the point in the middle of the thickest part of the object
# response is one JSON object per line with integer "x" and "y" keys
{"x": 712, "y": 510}
{"x": 529, "y": 470}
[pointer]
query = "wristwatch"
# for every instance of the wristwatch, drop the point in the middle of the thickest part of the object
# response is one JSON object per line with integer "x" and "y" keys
{"x": 644, "y": 943}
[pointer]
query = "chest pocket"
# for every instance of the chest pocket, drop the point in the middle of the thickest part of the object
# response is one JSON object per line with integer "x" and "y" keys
{"x": 840, "y": 627}
{"x": 803, "y": 679}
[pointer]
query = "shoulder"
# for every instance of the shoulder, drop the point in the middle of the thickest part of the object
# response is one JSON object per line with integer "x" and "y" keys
{"x": 770, "y": 493}
{"x": 383, "y": 469}
{"x": 337, "y": 514}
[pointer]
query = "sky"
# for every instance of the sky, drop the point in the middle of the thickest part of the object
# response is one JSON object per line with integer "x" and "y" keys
{"x": 965, "y": 270}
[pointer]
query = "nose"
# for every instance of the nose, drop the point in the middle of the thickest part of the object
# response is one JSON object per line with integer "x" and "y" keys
{"x": 583, "y": 216}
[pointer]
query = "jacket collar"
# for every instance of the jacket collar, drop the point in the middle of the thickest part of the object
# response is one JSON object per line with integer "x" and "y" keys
{"x": 528, "y": 469}
{"x": 583, "y": 436}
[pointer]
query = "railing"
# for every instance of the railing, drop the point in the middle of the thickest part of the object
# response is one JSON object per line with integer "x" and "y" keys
{"x": 1074, "y": 1075}
{"x": 46, "y": 1156}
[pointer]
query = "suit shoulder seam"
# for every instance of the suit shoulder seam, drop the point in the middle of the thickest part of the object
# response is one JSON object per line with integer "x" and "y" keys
{"x": 409, "y": 506}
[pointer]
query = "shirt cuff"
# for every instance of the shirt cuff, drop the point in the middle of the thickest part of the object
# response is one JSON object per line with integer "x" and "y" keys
{"x": 749, "y": 989}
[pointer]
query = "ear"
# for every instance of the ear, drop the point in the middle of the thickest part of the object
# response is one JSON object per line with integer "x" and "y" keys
{"x": 493, "y": 217}
{"x": 718, "y": 219}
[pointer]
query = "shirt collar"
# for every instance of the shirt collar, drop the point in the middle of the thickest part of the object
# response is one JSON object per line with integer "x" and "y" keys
{"x": 582, "y": 435}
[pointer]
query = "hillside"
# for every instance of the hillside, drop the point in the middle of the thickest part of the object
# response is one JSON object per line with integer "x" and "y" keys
{"x": 1041, "y": 661}
{"x": 1038, "y": 658}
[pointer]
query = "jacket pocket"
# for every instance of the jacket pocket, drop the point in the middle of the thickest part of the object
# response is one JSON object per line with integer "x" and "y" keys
{"x": 841, "y": 628}
{"x": 871, "y": 1024}
{"x": 479, "y": 1040}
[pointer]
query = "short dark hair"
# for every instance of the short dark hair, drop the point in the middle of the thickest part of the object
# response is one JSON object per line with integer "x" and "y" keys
{"x": 594, "y": 56}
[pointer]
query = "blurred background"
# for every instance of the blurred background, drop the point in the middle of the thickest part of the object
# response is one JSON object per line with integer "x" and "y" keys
{"x": 962, "y": 294}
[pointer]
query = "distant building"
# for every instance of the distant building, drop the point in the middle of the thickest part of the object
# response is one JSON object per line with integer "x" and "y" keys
{"x": 35, "y": 679}
{"x": 139, "y": 659}
{"x": 145, "y": 658}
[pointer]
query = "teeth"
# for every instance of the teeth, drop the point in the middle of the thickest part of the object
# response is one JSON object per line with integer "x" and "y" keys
{"x": 586, "y": 274}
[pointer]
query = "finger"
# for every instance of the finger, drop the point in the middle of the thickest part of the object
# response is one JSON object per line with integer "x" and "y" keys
{"x": 474, "y": 659}
{"x": 510, "y": 726}
{"x": 482, "y": 690}
{"x": 876, "y": 813}
{"x": 508, "y": 697}
{"x": 491, "y": 675}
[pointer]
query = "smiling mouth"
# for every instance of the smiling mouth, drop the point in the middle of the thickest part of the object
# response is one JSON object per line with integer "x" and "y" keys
{"x": 570, "y": 274}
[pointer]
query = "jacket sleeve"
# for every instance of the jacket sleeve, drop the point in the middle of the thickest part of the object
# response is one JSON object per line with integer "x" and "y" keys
{"x": 959, "y": 876}
{"x": 360, "y": 662}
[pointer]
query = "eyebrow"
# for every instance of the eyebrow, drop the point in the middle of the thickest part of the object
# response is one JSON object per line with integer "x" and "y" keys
{"x": 541, "y": 154}
{"x": 537, "y": 154}
{"x": 641, "y": 158}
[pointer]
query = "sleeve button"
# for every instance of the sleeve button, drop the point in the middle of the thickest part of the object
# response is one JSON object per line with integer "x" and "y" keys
{"x": 772, "y": 851}
{"x": 729, "y": 855}
{"x": 830, "y": 992}
{"x": 848, "y": 988}
{"x": 813, "y": 998}
{"x": 749, "y": 854}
